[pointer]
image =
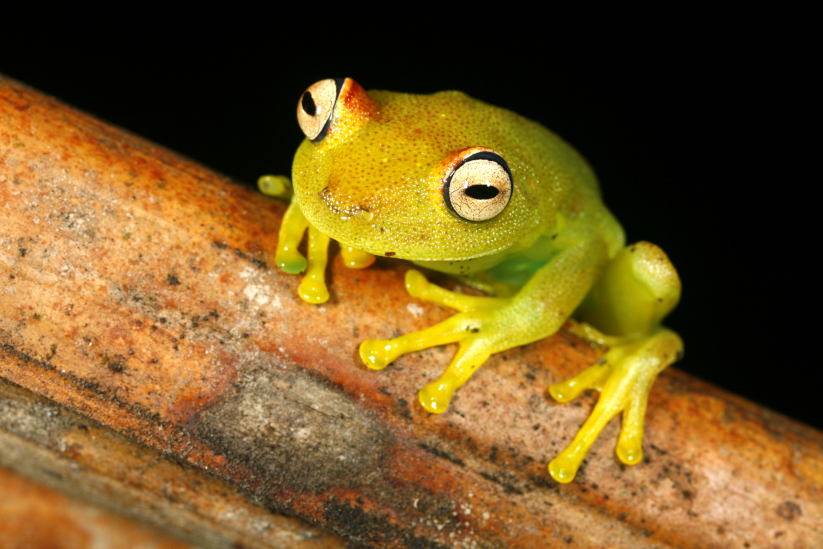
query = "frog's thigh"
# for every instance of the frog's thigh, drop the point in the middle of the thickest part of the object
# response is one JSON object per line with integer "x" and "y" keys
{"x": 636, "y": 290}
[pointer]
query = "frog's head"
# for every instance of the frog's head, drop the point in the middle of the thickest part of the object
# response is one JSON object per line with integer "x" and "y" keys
{"x": 421, "y": 177}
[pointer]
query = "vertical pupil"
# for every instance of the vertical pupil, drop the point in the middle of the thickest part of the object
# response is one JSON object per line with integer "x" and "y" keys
{"x": 308, "y": 104}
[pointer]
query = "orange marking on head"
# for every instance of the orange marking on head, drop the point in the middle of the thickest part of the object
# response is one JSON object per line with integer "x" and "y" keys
{"x": 356, "y": 101}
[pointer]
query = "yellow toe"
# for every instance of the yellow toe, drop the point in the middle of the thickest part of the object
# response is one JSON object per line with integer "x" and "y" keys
{"x": 435, "y": 397}
{"x": 313, "y": 289}
{"x": 291, "y": 261}
{"x": 415, "y": 283}
{"x": 377, "y": 353}
{"x": 629, "y": 452}
{"x": 563, "y": 468}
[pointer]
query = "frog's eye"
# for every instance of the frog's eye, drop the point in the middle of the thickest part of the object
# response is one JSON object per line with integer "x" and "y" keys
{"x": 315, "y": 108}
{"x": 480, "y": 187}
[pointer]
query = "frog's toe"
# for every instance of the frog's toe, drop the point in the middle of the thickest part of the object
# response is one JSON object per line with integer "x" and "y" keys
{"x": 416, "y": 283}
{"x": 564, "y": 467}
{"x": 473, "y": 352}
{"x": 313, "y": 286}
{"x": 313, "y": 289}
{"x": 630, "y": 447}
{"x": 356, "y": 259}
{"x": 379, "y": 353}
{"x": 275, "y": 185}
{"x": 630, "y": 444}
{"x": 290, "y": 261}
{"x": 419, "y": 287}
{"x": 435, "y": 397}
{"x": 294, "y": 227}
{"x": 590, "y": 378}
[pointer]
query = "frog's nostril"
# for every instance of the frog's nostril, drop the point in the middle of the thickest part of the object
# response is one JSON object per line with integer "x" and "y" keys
{"x": 309, "y": 106}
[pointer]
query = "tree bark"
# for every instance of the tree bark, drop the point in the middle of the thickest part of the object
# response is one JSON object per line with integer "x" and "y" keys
{"x": 137, "y": 290}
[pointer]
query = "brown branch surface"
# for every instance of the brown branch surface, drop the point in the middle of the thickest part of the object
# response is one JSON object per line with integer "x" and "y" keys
{"x": 65, "y": 451}
{"x": 34, "y": 516}
{"x": 137, "y": 289}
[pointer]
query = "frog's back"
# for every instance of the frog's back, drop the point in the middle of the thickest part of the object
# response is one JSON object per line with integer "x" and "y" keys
{"x": 542, "y": 163}
{"x": 558, "y": 182}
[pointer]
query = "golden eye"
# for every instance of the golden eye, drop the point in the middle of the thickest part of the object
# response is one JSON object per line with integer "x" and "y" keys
{"x": 480, "y": 187}
{"x": 315, "y": 108}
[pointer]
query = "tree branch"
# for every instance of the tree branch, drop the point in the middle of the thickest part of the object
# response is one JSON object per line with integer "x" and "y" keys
{"x": 137, "y": 289}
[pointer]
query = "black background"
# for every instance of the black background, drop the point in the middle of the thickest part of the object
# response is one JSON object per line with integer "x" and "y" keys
{"x": 702, "y": 127}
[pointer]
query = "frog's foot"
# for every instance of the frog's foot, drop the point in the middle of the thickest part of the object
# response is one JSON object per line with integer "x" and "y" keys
{"x": 624, "y": 376}
{"x": 476, "y": 329}
{"x": 313, "y": 286}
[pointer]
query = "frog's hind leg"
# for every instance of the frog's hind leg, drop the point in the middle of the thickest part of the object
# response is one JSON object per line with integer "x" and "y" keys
{"x": 637, "y": 289}
{"x": 461, "y": 328}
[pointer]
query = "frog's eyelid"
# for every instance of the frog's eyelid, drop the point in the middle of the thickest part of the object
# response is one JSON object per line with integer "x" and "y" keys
{"x": 316, "y": 106}
{"x": 473, "y": 204}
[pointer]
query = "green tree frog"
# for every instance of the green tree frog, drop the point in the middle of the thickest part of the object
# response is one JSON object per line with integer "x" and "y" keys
{"x": 458, "y": 186}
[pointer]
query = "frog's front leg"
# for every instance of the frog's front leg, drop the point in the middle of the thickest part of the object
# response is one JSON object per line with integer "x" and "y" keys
{"x": 313, "y": 286}
{"x": 637, "y": 289}
{"x": 488, "y": 325}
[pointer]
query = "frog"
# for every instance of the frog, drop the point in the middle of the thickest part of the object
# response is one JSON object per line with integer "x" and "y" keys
{"x": 505, "y": 206}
